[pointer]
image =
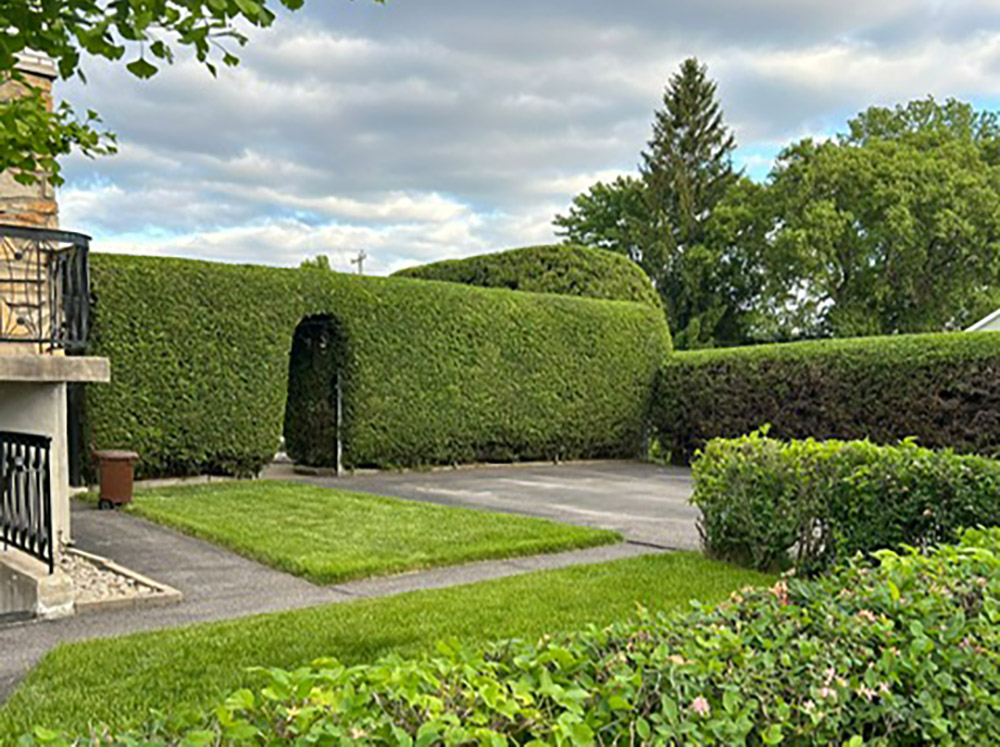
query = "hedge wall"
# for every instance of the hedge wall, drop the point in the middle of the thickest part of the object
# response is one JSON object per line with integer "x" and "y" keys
{"x": 433, "y": 373}
{"x": 942, "y": 389}
{"x": 567, "y": 270}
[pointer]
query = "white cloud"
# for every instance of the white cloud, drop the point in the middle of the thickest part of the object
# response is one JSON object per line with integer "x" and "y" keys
{"x": 443, "y": 129}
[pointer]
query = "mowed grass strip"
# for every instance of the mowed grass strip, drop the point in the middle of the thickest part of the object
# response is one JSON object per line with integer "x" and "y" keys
{"x": 119, "y": 682}
{"x": 328, "y": 536}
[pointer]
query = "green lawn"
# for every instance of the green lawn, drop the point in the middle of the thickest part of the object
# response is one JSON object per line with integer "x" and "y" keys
{"x": 329, "y": 536}
{"x": 119, "y": 681}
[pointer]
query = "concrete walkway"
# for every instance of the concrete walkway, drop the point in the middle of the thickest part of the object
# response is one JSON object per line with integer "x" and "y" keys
{"x": 219, "y": 585}
{"x": 645, "y": 502}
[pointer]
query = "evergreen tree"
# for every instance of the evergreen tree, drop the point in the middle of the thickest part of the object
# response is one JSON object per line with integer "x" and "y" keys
{"x": 687, "y": 167}
{"x": 687, "y": 170}
{"x": 664, "y": 219}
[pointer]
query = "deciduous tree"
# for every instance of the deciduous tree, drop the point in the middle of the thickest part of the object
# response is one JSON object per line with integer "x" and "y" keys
{"x": 879, "y": 235}
{"x": 140, "y": 34}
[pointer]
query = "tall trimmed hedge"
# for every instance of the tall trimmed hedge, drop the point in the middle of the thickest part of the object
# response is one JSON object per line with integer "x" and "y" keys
{"x": 432, "y": 373}
{"x": 567, "y": 270}
{"x": 942, "y": 389}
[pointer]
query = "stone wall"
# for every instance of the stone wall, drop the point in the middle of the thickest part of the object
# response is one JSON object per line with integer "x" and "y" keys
{"x": 34, "y": 204}
{"x": 24, "y": 307}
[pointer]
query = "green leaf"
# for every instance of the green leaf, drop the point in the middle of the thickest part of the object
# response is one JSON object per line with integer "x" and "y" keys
{"x": 141, "y": 68}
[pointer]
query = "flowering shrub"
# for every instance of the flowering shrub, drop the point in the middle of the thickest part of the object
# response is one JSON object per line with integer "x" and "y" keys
{"x": 765, "y": 502}
{"x": 900, "y": 649}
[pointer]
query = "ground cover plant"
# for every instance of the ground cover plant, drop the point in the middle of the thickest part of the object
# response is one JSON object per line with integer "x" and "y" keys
{"x": 328, "y": 535}
{"x": 941, "y": 389}
{"x": 566, "y": 269}
{"x": 767, "y": 502}
{"x": 432, "y": 372}
{"x": 905, "y": 651}
{"x": 121, "y": 681}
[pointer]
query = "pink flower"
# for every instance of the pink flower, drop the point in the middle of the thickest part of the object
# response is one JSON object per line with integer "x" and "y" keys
{"x": 780, "y": 591}
{"x": 867, "y": 615}
{"x": 700, "y": 706}
{"x": 826, "y": 692}
{"x": 867, "y": 693}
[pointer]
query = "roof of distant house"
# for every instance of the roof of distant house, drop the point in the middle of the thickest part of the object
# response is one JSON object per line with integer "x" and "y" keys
{"x": 984, "y": 322}
{"x": 34, "y": 62}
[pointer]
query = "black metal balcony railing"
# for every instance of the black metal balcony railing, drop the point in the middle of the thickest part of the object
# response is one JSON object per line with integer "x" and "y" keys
{"x": 26, "y": 495}
{"x": 44, "y": 288}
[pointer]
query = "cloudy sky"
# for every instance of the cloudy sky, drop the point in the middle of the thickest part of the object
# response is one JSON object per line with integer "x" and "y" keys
{"x": 434, "y": 129}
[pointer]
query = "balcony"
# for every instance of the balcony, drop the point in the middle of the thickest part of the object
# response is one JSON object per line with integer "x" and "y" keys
{"x": 44, "y": 291}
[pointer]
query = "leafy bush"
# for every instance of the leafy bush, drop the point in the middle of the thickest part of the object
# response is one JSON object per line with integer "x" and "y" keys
{"x": 567, "y": 270}
{"x": 762, "y": 499}
{"x": 906, "y": 651}
{"x": 432, "y": 372}
{"x": 943, "y": 390}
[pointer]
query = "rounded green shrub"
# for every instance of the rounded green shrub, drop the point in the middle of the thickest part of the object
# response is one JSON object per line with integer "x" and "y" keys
{"x": 900, "y": 652}
{"x": 765, "y": 503}
{"x": 566, "y": 270}
{"x": 431, "y": 372}
{"x": 941, "y": 389}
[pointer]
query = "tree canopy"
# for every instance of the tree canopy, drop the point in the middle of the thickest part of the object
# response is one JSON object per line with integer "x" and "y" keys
{"x": 882, "y": 237}
{"x": 143, "y": 35}
{"x": 319, "y": 262}
{"x": 891, "y": 226}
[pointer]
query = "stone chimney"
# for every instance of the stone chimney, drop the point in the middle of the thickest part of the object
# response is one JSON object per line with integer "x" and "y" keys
{"x": 29, "y": 204}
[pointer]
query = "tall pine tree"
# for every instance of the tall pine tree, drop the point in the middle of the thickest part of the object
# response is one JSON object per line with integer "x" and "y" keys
{"x": 684, "y": 219}
{"x": 687, "y": 169}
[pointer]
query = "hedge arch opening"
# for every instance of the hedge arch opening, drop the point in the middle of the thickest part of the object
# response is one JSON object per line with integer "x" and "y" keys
{"x": 314, "y": 408}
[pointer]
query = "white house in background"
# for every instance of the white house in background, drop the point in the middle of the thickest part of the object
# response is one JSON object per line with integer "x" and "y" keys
{"x": 990, "y": 323}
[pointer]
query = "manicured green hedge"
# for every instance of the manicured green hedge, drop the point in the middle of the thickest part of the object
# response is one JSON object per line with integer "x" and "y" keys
{"x": 904, "y": 652}
{"x": 942, "y": 389}
{"x": 433, "y": 372}
{"x": 568, "y": 270}
{"x": 766, "y": 502}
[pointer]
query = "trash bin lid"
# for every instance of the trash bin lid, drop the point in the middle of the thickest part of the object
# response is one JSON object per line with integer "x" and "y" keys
{"x": 111, "y": 455}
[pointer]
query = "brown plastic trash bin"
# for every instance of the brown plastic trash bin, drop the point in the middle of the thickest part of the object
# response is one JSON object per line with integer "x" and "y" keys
{"x": 116, "y": 477}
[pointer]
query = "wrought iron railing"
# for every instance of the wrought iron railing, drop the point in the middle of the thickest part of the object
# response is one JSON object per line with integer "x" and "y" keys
{"x": 26, "y": 495}
{"x": 44, "y": 288}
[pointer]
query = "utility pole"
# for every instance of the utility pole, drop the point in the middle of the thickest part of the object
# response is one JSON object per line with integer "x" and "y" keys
{"x": 360, "y": 261}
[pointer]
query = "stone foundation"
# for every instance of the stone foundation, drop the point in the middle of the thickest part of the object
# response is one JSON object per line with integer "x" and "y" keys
{"x": 28, "y": 590}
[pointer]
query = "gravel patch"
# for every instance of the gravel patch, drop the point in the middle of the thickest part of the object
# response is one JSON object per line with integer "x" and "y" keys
{"x": 93, "y": 582}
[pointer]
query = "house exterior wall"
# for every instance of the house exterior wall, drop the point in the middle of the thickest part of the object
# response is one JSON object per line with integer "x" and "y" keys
{"x": 32, "y": 205}
{"x": 40, "y": 408}
{"x": 29, "y": 204}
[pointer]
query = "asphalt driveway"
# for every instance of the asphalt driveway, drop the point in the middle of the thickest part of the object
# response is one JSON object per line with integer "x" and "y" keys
{"x": 647, "y": 503}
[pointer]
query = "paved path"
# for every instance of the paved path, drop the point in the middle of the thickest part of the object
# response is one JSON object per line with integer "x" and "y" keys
{"x": 645, "y": 502}
{"x": 218, "y": 584}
